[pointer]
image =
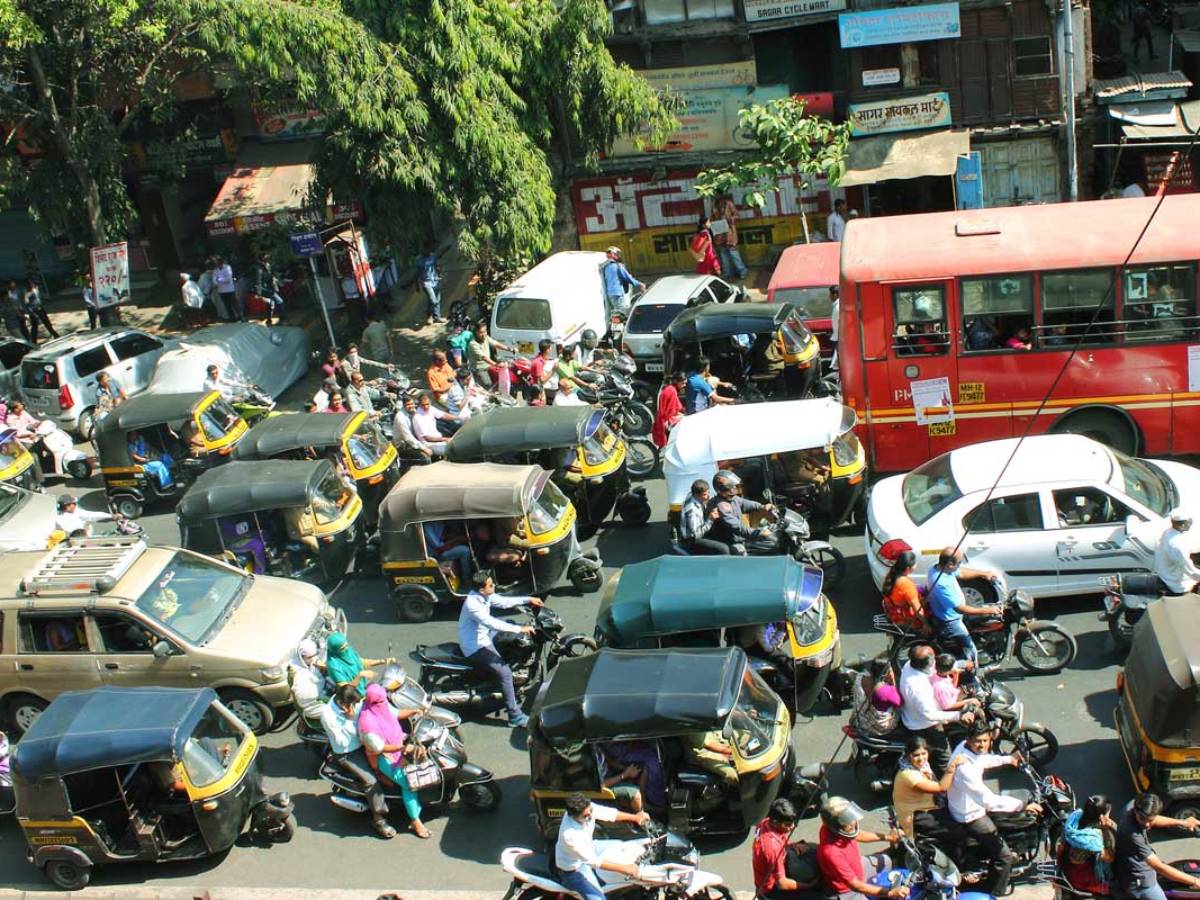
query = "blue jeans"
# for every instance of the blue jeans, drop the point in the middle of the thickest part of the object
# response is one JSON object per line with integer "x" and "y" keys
{"x": 956, "y": 628}
{"x": 462, "y": 553}
{"x": 731, "y": 262}
{"x": 159, "y": 470}
{"x": 433, "y": 290}
{"x": 584, "y": 882}
{"x": 1148, "y": 892}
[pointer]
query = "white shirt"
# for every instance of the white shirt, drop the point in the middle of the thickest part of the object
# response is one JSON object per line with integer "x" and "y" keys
{"x": 342, "y": 730}
{"x": 562, "y": 398}
{"x": 89, "y": 297}
{"x": 306, "y": 690}
{"x": 1173, "y": 560}
{"x": 920, "y": 709}
{"x": 193, "y": 297}
{"x": 425, "y": 424}
{"x": 575, "y": 847}
{"x": 402, "y": 433}
{"x": 835, "y": 226}
{"x": 223, "y": 279}
{"x": 969, "y": 798}
{"x": 321, "y": 398}
{"x": 476, "y": 624}
{"x": 71, "y": 522}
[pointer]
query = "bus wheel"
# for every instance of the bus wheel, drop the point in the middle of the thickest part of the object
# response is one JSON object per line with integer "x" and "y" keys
{"x": 1106, "y": 426}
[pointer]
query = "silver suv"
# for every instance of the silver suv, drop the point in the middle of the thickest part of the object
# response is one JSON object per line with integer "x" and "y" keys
{"x": 58, "y": 379}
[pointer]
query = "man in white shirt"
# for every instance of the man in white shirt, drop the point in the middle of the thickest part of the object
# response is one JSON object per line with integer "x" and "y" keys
{"x": 971, "y": 802}
{"x": 402, "y": 431}
{"x": 339, "y": 719}
{"x": 1173, "y": 556}
{"x": 575, "y": 854}
{"x": 73, "y": 520}
{"x": 425, "y": 425}
{"x": 328, "y": 388}
{"x": 567, "y": 395}
{"x": 835, "y": 225}
{"x": 921, "y": 713}
{"x": 477, "y": 625}
{"x": 230, "y": 389}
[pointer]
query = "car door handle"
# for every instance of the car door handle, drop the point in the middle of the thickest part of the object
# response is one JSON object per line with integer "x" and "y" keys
{"x": 975, "y": 548}
{"x": 112, "y": 666}
{"x": 25, "y": 667}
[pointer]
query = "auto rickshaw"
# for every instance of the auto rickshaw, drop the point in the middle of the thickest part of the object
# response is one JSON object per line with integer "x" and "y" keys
{"x": 770, "y": 606}
{"x": 1158, "y": 710}
{"x": 16, "y": 462}
{"x": 290, "y": 518}
{"x": 139, "y": 775}
{"x": 586, "y": 457}
{"x": 803, "y": 451}
{"x": 661, "y": 705}
{"x": 186, "y": 433}
{"x": 764, "y": 349}
{"x": 499, "y": 513}
{"x": 350, "y": 440}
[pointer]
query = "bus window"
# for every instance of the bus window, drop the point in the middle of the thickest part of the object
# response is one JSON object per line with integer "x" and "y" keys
{"x": 920, "y": 320}
{"x": 1160, "y": 302}
{"x": 994, "y": 309}
{"x": 1069, "y": 300}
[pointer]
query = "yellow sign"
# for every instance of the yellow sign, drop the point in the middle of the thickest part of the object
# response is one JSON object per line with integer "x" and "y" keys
{"x": 942, "y": 429}
{"x": 54, "y": 839}
{"x": 700, "y": 78}
{"x": 970, "y": 392}
{"x": 412, "y": 579}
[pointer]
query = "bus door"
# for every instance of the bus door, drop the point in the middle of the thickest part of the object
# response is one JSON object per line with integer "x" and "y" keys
{"x": 920, "y": 354}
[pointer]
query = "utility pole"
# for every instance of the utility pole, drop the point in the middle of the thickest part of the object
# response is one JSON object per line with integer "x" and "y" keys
{"x": 1068, "y": 56}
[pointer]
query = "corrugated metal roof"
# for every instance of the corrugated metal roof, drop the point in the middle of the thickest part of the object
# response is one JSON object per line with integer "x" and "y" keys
{"x": 1185, "y": 122}
{"x": 1140, "y": 84}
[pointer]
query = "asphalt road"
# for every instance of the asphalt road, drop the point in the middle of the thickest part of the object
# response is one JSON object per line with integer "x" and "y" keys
{"x": 336, "y": 849}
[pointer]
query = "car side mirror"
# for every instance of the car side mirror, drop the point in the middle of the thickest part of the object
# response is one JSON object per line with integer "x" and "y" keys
{"x": 161, "y": 649}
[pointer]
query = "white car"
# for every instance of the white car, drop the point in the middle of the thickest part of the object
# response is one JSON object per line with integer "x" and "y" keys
{"x": 1066, "y": 511}
{"x": 662, "y": 302}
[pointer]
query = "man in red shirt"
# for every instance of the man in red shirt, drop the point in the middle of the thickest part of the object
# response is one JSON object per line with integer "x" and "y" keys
{"x": 770, "y": 854}
{"x": 843, "y": 868}
{"x": 543, "y": 369}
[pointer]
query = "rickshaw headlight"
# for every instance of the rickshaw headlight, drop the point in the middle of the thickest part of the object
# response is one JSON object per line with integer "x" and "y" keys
{"x": 272, "y": 673}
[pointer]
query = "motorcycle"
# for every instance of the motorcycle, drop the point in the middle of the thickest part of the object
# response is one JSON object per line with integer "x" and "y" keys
{"x": 1041, "y": 647}
{"x": 453, "y": 683}
{"x": 668, "y": 866}
{"x": 1051, "y": 872}
{"x": 927, "y": 872}
{"x": 613, "y": 390}
{"x": 57, "y": 454}
{"x": 445, "y": 774}
{"x": 1125, "y": 600}
{"x": 875, "y": 759}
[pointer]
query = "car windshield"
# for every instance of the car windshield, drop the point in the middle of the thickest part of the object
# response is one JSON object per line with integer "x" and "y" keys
{"x": 523, "y": 314}
{"x": 211, "y": 749}
{"x": 366, "y": 446}
{"x": 751, "y": 726}
{"x": 330, "y": 499}
{"x": 810, "y": 302}
{"x": 652, "y": 318}
{"x": 1146, "y": 484}
{"x": 547, "y": 511}
{"x": 929, "y": 489}
{"x": 192, "y": 595}
{"x": 217, "y": 419}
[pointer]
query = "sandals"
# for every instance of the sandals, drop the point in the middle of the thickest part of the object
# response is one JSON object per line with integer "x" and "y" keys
{"x": 385, "y": 830}
{"x": 419, "y": 829}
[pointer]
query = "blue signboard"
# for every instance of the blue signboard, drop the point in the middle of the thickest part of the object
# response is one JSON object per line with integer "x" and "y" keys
{"x": 968, "y": 181}
{"x": 307, "y": 244}
{"x": 933, "y": 22}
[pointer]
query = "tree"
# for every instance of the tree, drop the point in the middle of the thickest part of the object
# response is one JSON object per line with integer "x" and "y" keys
{"x": 789, "y": 143}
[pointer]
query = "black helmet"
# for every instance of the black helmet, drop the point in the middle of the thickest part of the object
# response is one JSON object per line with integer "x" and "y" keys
{"x": 725, "y": 481}
{"x": 65, "y": 500}
{"x": 841, "y": 816}
{"x": 589, "y": 339}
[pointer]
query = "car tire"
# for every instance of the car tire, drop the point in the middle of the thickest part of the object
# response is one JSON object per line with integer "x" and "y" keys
{"x": 86, "y": 424}
{"x": 254, "y": 712}
{"x": 20, "y": 712}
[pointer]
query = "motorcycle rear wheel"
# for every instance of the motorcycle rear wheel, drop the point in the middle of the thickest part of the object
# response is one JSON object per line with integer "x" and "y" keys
{"x": 641, "y": 457}
{"x": 1122, "y": 632}
{"x": 1036, "y": 742}
{"x": 1057, "y": 650}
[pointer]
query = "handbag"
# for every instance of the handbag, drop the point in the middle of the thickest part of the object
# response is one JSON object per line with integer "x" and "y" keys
{"x": 422, "y": 774}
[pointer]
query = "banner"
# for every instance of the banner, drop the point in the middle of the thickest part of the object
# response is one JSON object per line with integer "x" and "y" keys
{"x": 903, "y": 25}
{"x": 701, "y": 78}
{"x": 288, "y": 124}
{"x": 110, "y": 274}
{"x": 710, "y": 121}
{"x": 901, "y": 114}
{"x": 759, "y": 10}
{"x": 668, "y": 249}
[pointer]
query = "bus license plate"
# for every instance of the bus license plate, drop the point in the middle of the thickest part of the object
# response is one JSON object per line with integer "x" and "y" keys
{"x": 1191, "y": 773}
{"x": 654, "y": 367}
{"x": 525, "y": 346}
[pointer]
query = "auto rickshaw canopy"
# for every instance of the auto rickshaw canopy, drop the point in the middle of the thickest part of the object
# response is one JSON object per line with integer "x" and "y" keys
{"x": 240, "y": 488}
{"x": 1162, "y": 672}
{"x": 295, "y": 431}
{"x": 716, "y": 320}
{"x": 522, "y": 429}
{"x": 447, "y": 490}
{"x": 677, "y": 594}
{"x": 143, "y": 411}
{"x": 109, "y": 726}
{"x": 634, "y": 694}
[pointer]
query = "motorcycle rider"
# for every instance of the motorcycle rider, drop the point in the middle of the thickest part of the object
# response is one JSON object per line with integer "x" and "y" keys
{"x": 920, "y": 713}
{"x": 230, "y": 389}
{"x": 575, "y": 855}
{"x": 1173, "y": 557}
{"x": 339, "y": 719}
{"x": 971, "y": 802}
{"x": 843, "y": 868}
{"x": 476, "y": 628}
{"x": 74, "y": 521}
{"x": 727, "y": 526}
{"x": 946, "y": 603}
{"x": 1135, "y": 864}
{"x": 695, "y": 523}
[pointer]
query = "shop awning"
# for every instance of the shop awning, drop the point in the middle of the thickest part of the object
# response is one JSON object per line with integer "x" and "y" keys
{"x": 890, "y": 157}
{"x": 269, "y": 184}
{"x": 1180, "y": 120}
{"x": 1189, "y": 41}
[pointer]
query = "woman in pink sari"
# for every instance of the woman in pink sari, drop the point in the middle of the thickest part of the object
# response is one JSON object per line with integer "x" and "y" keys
{"x": 377, "y": 717}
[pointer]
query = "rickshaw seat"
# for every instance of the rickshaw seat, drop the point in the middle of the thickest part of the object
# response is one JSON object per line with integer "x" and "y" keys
{"x": 445, "y": 654}
{"x": 695, "y": 778}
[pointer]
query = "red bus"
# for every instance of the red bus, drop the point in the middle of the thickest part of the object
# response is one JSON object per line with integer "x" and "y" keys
{"x": 802, "y": 277}
{"x": 960, "y": 295}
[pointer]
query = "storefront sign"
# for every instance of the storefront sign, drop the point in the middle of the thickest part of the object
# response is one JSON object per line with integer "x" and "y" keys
{"x": 710, "y": 121}
{"x": 110, "y": 273}
{"x": 288, "y": 125}
{"x": 873, "y": 77}
{"x": 701, "y": 78}
{"x": 932, "y": 22}
{"x": 758, "y": 10}
{"x": 197, "y": 153}
{"x": 903, "y": 114}
{"x": 308, "y": 243}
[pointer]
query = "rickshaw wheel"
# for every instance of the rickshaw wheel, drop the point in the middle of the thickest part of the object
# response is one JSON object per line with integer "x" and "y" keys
{"x": 585, "y": 575}
{"x": 287, "y": 832}
{"x": 255, "y": 713}
{"x": 1183, "y": 809}
{"x": 634, "y": 509}
{"x": 483, "y": 797}
{"x": 127, "y": 507}
{"x": 413, "y": 605}
{"x": 70, "y": 876}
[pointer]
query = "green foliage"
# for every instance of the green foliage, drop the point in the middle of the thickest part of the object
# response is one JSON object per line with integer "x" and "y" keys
{"x": 789, "y": 143}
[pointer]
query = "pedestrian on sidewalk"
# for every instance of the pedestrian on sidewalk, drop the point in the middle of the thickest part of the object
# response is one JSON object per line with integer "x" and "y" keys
{"x": 227, "y": 290}
{"x": 725, "y": 237}
{"x": 702, "y": 249}
{"x": 192, "y": 297}
{"x": 89, "y": 303}
{"x": 267, "y": 288}
{"x": 429, "y": 276}
{"x": 35, "y": 311}
{"x": 1143, "y": 24}
{"x": 12, "y": 311}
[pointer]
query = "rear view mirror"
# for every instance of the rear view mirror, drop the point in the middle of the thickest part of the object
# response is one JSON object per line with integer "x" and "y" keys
{"x": 768, "y": 495}
{"x": 161, "y": 650}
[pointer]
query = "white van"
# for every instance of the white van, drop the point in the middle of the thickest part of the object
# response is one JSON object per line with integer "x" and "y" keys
{"x": 558, "y": 299}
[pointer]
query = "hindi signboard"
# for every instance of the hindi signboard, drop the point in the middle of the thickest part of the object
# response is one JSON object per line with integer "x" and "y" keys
{"x": 710, "y": 121}
{"x": 713, "y": 76}
{"x": 110, "y": 274}
{"x": 899, "y": 114}
{"x": 761, "y": 10}
{"x": 875, "y": 77}
{"x": 902, "y": 25}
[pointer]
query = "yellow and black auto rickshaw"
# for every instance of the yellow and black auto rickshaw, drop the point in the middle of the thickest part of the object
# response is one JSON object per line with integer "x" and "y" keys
{"x": 153, "y": 446}
{"x": 289, "y": 518}
{"x": 512, "y": 519}
{"x": 770, "y": 606}
{"x": 662, "y": 708}
{"x": 348, "y": 440}
{"x": 119, "y": 775}
{"x": 586, "y": 457}
{"x": 16, "y": 462}
{"x": 1158, "y": 707}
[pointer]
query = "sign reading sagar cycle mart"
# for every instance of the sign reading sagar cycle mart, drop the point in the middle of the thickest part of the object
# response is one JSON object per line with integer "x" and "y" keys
{"x": 900, "y": 114}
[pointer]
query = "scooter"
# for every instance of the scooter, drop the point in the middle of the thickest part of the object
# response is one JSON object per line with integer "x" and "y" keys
{"x": 928, "y": 873}
{"x": 1125, "y": 600}
{"x": 57, "y": 454}
{"x": 454, "y": 683}
{"x": 612, "y": 389}
{"x": 668, "y": 866}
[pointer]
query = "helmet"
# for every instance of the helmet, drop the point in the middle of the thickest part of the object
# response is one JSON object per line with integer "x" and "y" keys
{"x": 65, "y": 500}
{"x": 1178, "y": 515}
{"x": 725, "y": 481}
{"x": 841, "y": 816}
{"x": 589, "y": 339}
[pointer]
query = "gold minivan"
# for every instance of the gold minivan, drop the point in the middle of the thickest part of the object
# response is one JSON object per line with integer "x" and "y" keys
{"x": 114, "y": 611}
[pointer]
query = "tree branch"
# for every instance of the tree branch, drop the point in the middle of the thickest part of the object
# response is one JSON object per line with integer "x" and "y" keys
{"x": 137, "y": 89}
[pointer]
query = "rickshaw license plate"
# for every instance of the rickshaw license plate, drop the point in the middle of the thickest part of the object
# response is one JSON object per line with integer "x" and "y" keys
{"x": 524, "y": 346}
{"x": 1191, "y": 773}
{"x": 654, "y": 367}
